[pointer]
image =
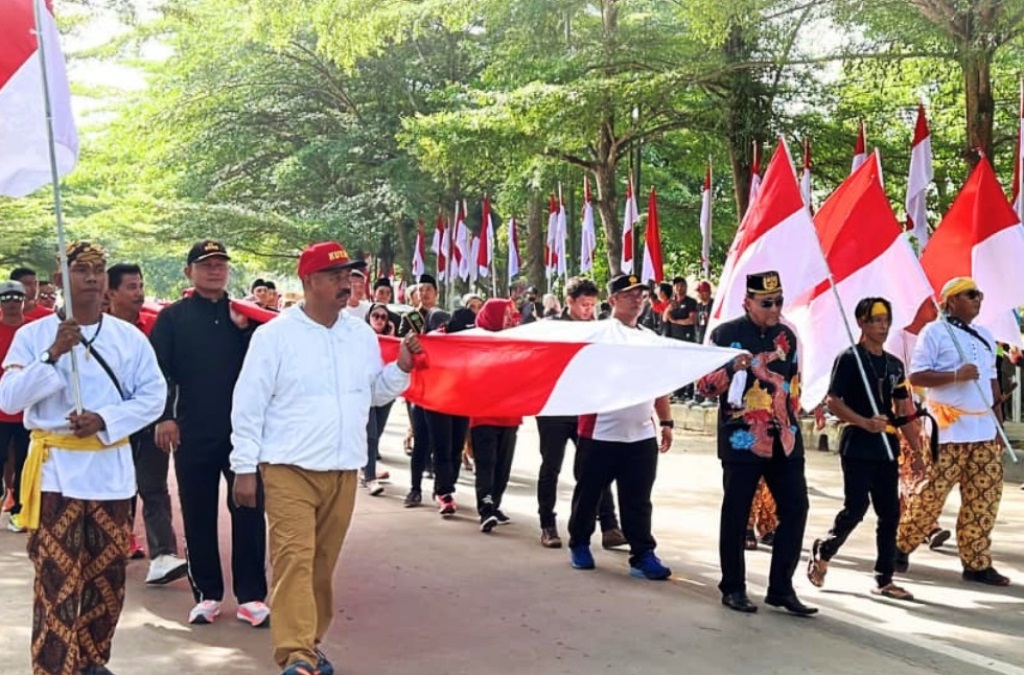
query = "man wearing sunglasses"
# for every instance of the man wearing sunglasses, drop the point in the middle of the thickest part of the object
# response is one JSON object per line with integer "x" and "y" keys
{"x": 759, "y": 436}
{"x": 47, "y": 295}
{"x": 956, "y": 361}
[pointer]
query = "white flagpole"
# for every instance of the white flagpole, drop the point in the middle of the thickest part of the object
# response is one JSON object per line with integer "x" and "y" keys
{"x": 57, "y": 203}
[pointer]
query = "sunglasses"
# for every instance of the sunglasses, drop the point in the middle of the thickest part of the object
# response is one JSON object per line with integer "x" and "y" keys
{"x": 768, "y": 304}
{"x": 378, "y": 315}
{"x": 973, "y": 294}
{"x": 48, "y": 296}
{"x": 11, "y": 298}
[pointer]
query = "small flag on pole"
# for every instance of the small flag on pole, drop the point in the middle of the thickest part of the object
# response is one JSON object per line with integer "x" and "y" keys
{"x": 419, "y": 265}
{"x": 439, "y": 246}
{"x": 630, "y": 217}
{"x": 550, "y": 247}
{"x": 483, "y": 257}
{"x": 513, "y": 250}
{"x": 653, "y": 267}
{"x": 921, "y": 176}
{"x": 562, "y": 233}
{"x": 588, "y": 234}
{"x": 755, "y": 175}
{"x": 860, "y": 148}
{"x": 805, "y": 179}
{"x": 705, "y": 223}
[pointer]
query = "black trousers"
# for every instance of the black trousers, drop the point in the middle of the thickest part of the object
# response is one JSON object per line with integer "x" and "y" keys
{"x": 199, "y": 467}
{"x": 14, "y": 434}
{"x": 876, "y": 481}
{"x": 151, "y": 467}
{"x": 420, "y": 446}
{"x": 633, "y": 466}
{"x": 447, "y": 438}
{"x": 785, "y": 478}
{"x": 375, "y": 424}
{"x": 555, "y": 433}
{"x": 493, "y": 449}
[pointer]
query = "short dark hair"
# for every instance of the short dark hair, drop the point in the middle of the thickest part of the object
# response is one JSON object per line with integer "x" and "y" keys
{"x": 46, "y": 282}
{"x": 271, "y": 286}
{"x": 19, "y": 273}
{"x": 679, "y": 280}
{"x": 117, "y": 273}
{"x": 665, "y": 288}
{"x": 577, "y": 287}
{"x": 863, "y": 310}
{"x": 256, "y": 284}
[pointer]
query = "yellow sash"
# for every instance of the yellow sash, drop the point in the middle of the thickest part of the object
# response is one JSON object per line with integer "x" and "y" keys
{"x": 32, "y": 474}
{"x": 947, "y": 415}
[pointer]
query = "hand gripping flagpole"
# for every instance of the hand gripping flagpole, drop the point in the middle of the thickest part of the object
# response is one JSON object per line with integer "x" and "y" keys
{"x": 943, "y": 317}
{"x": 57, "y": 203}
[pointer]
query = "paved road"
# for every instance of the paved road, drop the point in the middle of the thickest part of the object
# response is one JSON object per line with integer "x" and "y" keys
{"x": 420, "y": 595}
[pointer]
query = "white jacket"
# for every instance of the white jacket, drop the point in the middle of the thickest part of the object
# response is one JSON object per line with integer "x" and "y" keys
{"x": 305, "y": 391}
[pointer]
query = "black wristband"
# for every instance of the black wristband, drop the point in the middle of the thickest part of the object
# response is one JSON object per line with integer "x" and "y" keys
{"x": 668, "y": 424}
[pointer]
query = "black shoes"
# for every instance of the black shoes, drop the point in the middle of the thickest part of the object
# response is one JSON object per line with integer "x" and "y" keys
{"x": 414, "y": 498}
{"x": 502, "y": 518}
{"x": 987, "y": 576}
{"x": 739, "y": 602}
{"x": 791, "y": 604}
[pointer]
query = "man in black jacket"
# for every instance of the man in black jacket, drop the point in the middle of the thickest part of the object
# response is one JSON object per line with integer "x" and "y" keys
{"x": 200, "y": 343}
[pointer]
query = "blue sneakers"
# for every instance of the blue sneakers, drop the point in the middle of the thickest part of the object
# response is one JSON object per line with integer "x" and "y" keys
{"x": 649, "y": 567}
{"x": 323, "y": 666}
{"x": 581, "y": 557}
{"x": 300, "y": 668}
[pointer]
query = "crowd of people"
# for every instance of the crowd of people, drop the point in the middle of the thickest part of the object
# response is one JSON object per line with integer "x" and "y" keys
{"x": 290, "y": 414}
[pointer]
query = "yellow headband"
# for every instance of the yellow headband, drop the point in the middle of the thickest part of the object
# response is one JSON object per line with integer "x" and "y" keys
{"x": 879, "y": 309}
{"x": 956, "y": 286}
{"x": 86, "y": 252}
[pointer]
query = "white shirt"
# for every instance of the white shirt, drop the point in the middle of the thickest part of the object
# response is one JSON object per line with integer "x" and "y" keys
{"x": 936, "y": 351}
{"x": 46, "y": 395}
{"x": 304, "y": 395}
{"x": 627, "y": 425}
{"x": 359, "y": 311}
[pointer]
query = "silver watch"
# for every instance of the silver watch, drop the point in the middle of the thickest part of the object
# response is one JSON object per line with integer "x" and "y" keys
{"x": 46, "y": 358}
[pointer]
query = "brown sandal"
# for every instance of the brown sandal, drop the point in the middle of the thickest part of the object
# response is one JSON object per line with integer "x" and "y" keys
{"x": 816, "y": 567}
{"x": 893, "y": 591}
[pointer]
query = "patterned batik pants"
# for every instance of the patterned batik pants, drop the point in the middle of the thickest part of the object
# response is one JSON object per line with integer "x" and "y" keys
{"x": 762, "y": 518}
{"x": 80, "y": 553}
{"x": 978, "y": 469}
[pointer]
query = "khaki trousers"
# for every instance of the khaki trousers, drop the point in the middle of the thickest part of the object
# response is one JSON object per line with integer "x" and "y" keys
{"x": 978, "y": 469}
{"x": 308, "y": 514}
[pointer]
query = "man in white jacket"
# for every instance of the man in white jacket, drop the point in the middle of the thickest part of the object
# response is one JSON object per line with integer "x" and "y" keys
{"x": 299, "y": 416}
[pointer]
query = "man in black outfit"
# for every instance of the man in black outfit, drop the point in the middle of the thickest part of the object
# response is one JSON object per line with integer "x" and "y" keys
{"x": 759, "y": 436}
{"x": 679, "y": 322}
{"x": 200, "y": 344}
{"x": 555, "y": 434}
{"x": 869, "y": 473}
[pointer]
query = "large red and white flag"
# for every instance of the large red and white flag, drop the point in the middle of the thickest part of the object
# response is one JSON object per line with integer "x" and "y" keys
{"x": 513, "y": 250}
{"x": 588, "y": 233}
{"x": 860, "y": 148}
{"x": 1018, "y": 161}
{"x": 805, "y": 177}
{"x": 439, "y": 245}
{"x": 921, "y": 176}
{"x": 755, "y": 175}
{"x": 705, "y": 223}
{"x": 777, "y": 233}
{"x": 981, "y": 237}
{"x": 561, "y": 236}
{"x": 550, "y": 247}
{"x": 486, "y": 248}
{"x": 630, "y": 217}
{"x": 24, "y": 143}
{"x": 419, "y": 257}
{"x": 653, "y": 266}
{"x": 868, "y": 256}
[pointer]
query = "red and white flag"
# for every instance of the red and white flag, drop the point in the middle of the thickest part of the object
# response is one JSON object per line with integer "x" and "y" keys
{"x": 805, "y": 177}
{"x": 419, "y": 257}
{"x": 1018, "y": 163}
{"x": 921, "y": 176}
{"x": 777, "y": 233}
{"x": 550, "y": 246}
{"x": 483, "y": 257}
{"x": 461, "y": 253}
{"x": 513, "y": 250}
{"x": 653, "y": 266}
{"x": 755, "y": 175}
{"x": 630, "y": 217}
{"x": 439, "y": 245}
{"x": 588, "y": 233}
{"x": 868, "y": 256}
{"x": 24, "y": 144}
{"x": 474, "y": 253}
{"x": 860, "y": 148}
{"x": 561, "y": 235}
{"x": 981, "y": 237}
{"x": 705, "y": 223}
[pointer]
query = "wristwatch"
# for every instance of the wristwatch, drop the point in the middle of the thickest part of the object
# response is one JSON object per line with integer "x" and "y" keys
{"x": 668, "y": 424}
{"x": 47, "y": 358}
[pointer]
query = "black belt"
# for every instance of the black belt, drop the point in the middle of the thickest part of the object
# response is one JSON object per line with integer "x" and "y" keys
{"x": 918, "y": 414}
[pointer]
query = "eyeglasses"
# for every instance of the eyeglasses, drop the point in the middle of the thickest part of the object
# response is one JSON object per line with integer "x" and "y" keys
{"x": 48, "y": 296}
{"x": 973, "y": 294}
{"x": 378, "y": 315}
{"x": 768, "y": 304}
{"x": 11, "y": 298}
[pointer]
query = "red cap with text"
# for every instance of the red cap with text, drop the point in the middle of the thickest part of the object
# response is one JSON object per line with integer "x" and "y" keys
{"x": 327, "y": 255}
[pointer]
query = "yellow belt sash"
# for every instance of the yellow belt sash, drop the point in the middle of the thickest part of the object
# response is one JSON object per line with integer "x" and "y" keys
{"x": 32, "y": 474}
{"x": 947, "y": 415}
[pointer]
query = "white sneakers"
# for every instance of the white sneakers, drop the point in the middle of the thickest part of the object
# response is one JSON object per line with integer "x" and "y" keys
{"x": 254, "y": 613}
{"x": 206, "y": 611}
{"x": 374, "y": 488}
{"x": 166, "y": 568}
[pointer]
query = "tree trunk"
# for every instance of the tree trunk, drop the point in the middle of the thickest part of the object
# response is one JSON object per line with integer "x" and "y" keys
{"x": 607, "y": 203}
{"x": 976, "y": 65}
{"x": 534, "y": 262}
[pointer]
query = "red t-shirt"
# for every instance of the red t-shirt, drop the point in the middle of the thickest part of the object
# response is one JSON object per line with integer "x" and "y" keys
{"x": 38, "y": 312}
{"x": 6, "y": 338}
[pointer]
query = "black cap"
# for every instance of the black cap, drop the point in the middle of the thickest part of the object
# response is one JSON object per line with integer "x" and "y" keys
{"x": 624, "y": 282}
{"x": 763, "y": 283}
{"x": 426, "y": 279}
{"x": 207, "y": 248}
{"x": 383, "y": 282}
{"x": 256, "y": 284}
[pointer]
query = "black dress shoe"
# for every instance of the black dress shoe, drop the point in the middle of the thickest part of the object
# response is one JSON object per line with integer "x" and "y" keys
{"x": 739, "y": 602}
{"x": 791, "y": 604}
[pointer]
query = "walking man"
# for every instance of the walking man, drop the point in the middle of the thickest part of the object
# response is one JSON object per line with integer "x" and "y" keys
{"x": 300, "y": 414}
{"x": 200, "y": 343}
{"x": 759, "y": 436}
{"x": 13, "y": 434}
{"x": 869, "y": 473}
{"x": 622, "y": 446}
{"x": 79, "y": 479}
{"x": 956, "y": 361}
